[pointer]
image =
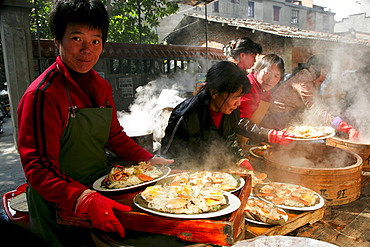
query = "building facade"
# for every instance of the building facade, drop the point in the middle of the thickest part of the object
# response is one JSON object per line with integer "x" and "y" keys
{"x": 356, "y": 25}
{"x": 297, "y": 14}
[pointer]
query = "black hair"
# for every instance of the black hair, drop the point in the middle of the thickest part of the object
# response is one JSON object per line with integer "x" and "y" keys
{"x": 267, "y": 61}
{"x": 91, "y": 13}
{"x": 241, "y": 45}
{"x": 226, "y": 77}
{"x": 319, "y": 61}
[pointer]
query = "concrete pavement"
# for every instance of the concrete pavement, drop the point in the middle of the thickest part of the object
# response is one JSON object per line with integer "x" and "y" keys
{"x": 11, "y": 172}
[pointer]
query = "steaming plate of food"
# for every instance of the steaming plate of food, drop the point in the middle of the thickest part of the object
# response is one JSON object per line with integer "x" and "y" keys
{"x": 186, "y": 201}
{"x": 207, "y": 179}
{"x": 289, "y": 196}
{"x": 261, "y": 212}
{"x": 124, "y": 178}
{"x": 258, "y": 151}
{"x": 310, "y": 133}
{"x": 257, "y": 177}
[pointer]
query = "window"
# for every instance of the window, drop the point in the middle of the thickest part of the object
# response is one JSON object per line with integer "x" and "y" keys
{"x": 235, "y": 1}
{"x": 326, "y": 23}
{"x": 295, "y": 16}
{"x": 276, "y": 13}
{"x": 216, "y": 7}
{"x": 250, "y": 9}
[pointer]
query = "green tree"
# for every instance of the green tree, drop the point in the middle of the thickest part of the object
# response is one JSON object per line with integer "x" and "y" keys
{"x": 135, "y": 20}
{"x": 131, "y": 21}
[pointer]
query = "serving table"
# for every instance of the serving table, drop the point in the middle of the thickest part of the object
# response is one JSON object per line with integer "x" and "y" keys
{"x": 222, "y": 230}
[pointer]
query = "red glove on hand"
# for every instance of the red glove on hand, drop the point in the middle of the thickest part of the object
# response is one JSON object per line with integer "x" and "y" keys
{"x": 245, "y": 164}
{"x": 280, "y": 137}
{"x": 346, "y": 128}
{"x": 99, "y": 209}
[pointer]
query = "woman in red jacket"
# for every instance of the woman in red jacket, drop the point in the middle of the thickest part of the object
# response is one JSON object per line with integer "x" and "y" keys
{"x": 268, "y": 72}
{"x": 243, "y": 52}
{"x": 67, "y": 119}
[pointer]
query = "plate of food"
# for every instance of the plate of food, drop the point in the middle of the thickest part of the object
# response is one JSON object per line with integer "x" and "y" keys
{"x": 310, "y": 133}
{"x": 264, "y": 213}
{"x": 186, "y": 202}
{"x": 257, "y": 177}
{"x": 258, "y": 151}
{"x": 217, "y": 180}
{"x": 124, "y": 178}
{"x": 289, "y": 196}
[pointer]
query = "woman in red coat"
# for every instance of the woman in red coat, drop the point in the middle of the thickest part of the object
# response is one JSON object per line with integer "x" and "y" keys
{"x": 269, "y": 71}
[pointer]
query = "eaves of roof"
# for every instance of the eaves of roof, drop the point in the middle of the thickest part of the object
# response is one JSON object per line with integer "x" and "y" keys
{"x": 137, "y": 51}
{"x": 280, "y": 30}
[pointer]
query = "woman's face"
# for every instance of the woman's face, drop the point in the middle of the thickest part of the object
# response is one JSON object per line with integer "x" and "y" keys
{"x": 246, "y": 61}
{"x": 268, "y": 77}
{"x": 226, "y": 102}
{"x": 80, "y": 47}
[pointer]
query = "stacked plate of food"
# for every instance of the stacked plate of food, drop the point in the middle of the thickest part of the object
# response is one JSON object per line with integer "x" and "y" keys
{"x": 195, "y": 195}
{"x": 289, "y": 196}
{"x": 270, "y": 200}
{"x": 261, "y": 212}
{"x": 310, "y": 133}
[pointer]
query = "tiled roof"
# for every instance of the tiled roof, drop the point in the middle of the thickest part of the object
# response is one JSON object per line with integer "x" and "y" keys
{"x": 198, "y": 3}
{"x": 135, "y": 51}
{"x": 280, "y": 30}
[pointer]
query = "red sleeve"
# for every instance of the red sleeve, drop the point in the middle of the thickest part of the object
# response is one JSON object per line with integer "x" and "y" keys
{"x": 249, "y": 102}
{"x": 247, "y": 106}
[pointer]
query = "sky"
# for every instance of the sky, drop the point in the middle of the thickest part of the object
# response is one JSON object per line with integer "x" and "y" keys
{"x": 342, "y": 8}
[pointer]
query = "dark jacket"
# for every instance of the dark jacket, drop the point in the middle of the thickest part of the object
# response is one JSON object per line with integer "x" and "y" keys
{"x": 194, "y": 141}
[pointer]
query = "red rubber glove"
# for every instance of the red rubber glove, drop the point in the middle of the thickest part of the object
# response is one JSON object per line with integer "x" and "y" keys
{"x": 99, "y": 209}
{"x": 280, "y": 137}
{"x": 346, "y": 128}
{"x": 245, "y": 164}
{"x": 340, "y": 125}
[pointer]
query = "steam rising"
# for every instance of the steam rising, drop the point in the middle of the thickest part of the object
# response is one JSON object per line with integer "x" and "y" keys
{"x": 153, "y": 103}
{"x": 313, "y": 156}
{"x": 347, "y": 94}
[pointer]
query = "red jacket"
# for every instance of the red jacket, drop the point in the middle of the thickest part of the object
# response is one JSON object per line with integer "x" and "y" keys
{"x": 249, "y": 102}
{"x": 42, "y": 117}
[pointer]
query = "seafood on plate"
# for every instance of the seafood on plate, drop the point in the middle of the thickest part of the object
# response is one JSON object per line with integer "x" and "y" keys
{"x": 287, "y": 194}
{"x": 121, "y": 177}
{"x": 261, "y": 211}
{"x": 208, "y": 179}
{"x": 309, "y": 132}
{"x": 259, "y": 150}
{"x": 183, "y": 198}
{"x": 257, "y": 177}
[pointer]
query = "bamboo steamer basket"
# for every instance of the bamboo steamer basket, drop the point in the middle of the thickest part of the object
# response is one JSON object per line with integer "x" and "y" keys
{"x": 362, "y": 149}
{"x": 316, "y": 166}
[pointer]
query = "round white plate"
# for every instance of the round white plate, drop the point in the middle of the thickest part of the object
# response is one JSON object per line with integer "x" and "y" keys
{"x": 313, "y": 207}
{"x": 97, "y": 184}
{"x": 251, "y": 151}
{"x": 233, "y": 201}
{"x": 312, "y": 139}
{"x": 284, "y": 216}
{"x": 240, "y": 184}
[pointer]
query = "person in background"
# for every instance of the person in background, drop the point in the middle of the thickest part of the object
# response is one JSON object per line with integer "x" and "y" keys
{"x": 201, "y": 131}
{"x": 299, "y": 94}
{"x": 242, "y": 52}
{"x": 268, "y": 72}
{"x": 67, "y": 120}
